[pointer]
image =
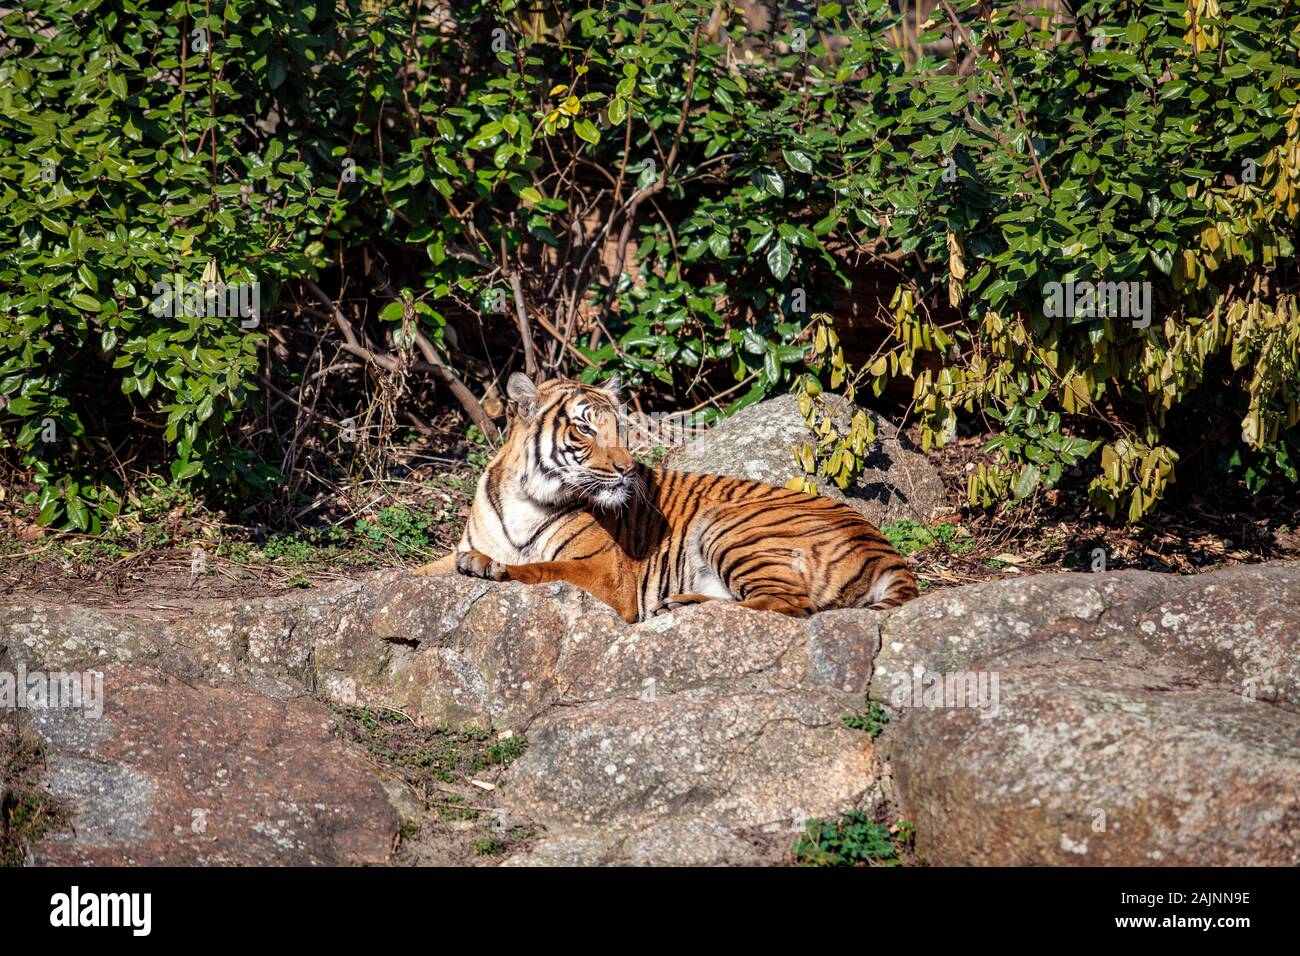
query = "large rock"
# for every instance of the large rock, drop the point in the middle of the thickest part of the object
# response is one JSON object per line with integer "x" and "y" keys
{"x": 455, "y": 649}
{"x": 1237, "y": 628}
{"x": 1087, "y": 763}
{"x": 720, "y": 721}
{"x": 896, "y": 483}
{"x": 1135, "y": 718}
{"x": 176, "y": 774}
{"x": 1126, "y": 718}
{"x": 741, "y": 758}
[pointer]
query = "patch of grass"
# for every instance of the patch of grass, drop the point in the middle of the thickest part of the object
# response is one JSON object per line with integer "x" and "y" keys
{"x": 853, "y": 840}
{"x": 311, "y": 547}
{"x": 872, "y": 719}
{"x": 405, "y": 529}
{"x": 911, "y": 537}
{"x": 452, "y": 772}
{"x": 295, "y": 548}
{"x": 447, "y": 754}
{"x": 459, "y": 483}
{"x": 480, "y": 452}
{"x": 27, "y": 813}
{"x": 506, "y": 751}
{"x": 397, "y": 528}
{"x": 453, "y": 808}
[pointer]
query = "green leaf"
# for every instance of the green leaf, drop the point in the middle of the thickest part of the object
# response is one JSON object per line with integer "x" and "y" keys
{"x": 780, "y": 259}
{"x": 797, "y": 160}
{"x": 277, "y": 69}
{"x": 48, "y": 514}
{"x": 1028, "y": 480}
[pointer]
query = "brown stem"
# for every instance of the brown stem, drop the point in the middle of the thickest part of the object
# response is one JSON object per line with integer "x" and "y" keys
{"x": 433, "y": 362}
{"x": 525, "y": 334}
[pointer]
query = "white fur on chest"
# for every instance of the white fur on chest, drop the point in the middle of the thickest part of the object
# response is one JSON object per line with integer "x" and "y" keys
{"x": 505, "y": 537}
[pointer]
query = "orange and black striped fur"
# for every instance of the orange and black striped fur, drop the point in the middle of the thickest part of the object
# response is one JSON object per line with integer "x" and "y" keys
{"x": 563, "y": 500}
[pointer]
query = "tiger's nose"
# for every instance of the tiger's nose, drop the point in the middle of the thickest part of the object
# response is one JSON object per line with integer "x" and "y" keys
{"x": 626, "y": 468}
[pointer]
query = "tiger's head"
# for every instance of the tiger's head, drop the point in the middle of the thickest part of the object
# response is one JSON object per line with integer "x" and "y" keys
{"x": 568, "y": 442}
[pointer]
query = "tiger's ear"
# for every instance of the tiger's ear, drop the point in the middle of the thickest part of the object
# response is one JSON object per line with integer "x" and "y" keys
{"x": 614, "y": 385}
{"x": 523, "y": 392}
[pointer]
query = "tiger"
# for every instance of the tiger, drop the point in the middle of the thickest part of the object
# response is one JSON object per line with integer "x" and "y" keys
{"x": 563, "y": 499}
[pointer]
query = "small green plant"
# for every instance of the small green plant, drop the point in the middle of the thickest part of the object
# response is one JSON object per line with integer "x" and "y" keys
{"x": 448, "y": 754}
{"x": 489, "y": 846}
{"x": 910, "y": 537}
{"x": 872, "y": 720}
{"x": 506, "y": 751}
{"x": 480, "y": 451}
{"x": 652, "y": 457}
{"x": 402, "y": 528}
{"x": 853, "y": 840}
{"x": 291, "y": 548}
{"x": 409, "y": 831}
{"x": 453, "y": 808}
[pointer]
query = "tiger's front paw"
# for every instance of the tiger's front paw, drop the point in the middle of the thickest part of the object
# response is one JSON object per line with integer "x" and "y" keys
{"x": 671, "y": 604}
{"x": 476, "y": 564}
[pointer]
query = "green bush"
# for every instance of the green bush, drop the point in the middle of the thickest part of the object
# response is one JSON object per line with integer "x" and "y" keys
{"x": 134, "y": 157}
{"x": 694, "y": 190}
{"x": 1150, "y": 144}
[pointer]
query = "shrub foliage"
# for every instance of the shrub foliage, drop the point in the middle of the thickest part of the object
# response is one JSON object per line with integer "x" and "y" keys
{"x": 1087, "y": 213}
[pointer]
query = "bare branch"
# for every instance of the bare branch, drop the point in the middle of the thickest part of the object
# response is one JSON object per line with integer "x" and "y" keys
{"x": 433, "y": 362}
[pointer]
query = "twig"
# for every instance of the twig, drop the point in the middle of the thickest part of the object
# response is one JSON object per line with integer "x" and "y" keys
{"x": 390, "y": 363}
{"x": 525, "y": 335}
